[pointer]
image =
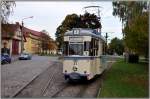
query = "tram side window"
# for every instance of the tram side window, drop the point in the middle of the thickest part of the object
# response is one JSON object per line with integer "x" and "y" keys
{"x": 86, "y": 48}
{"x": 91, "y": 48}
{"x": 94, "y": 47}
{"x": 65, "y": 48}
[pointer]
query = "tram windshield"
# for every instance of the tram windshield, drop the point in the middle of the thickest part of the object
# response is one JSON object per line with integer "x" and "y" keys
{"x": 87, "y": 48}
{"x": 75, "y": 49}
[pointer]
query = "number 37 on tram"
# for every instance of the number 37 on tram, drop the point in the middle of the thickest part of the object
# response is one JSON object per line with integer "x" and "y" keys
{"x": 82, "y": 51}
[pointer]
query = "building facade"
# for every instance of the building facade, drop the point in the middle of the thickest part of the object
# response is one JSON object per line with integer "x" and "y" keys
{"x": 33, "y": 42}
{"x": 11, "y": 37}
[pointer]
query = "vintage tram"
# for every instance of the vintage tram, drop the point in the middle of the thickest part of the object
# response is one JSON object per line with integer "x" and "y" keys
{"x": 82, "y": 51}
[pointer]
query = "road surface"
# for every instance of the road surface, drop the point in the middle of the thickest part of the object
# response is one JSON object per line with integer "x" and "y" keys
{"x": 19, "y": 73}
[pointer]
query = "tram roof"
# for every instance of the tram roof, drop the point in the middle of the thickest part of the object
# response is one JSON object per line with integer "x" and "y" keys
{"x": 85, "y": 32}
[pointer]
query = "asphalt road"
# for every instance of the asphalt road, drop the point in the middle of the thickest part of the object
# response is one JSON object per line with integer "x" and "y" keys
{"x": 17, "y": 74}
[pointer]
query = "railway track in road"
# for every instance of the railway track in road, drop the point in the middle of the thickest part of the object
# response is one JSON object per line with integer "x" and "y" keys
{"x": 86, "y": 90}
{"x": 78, "y": 90}
{"x": 51, "y": 83}
{"x": 38, "y": 85}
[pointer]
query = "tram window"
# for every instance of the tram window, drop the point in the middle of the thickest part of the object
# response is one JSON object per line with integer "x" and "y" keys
{"x": 94, "y": 47}
{"x": 86, "y": 46}
{"x": 75, "y": 49}
{"x": 91, "y": 48}
{"x": 65, "y": 48}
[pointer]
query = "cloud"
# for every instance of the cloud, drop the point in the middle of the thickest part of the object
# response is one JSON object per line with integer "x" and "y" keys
{"x": 49, "y": 15}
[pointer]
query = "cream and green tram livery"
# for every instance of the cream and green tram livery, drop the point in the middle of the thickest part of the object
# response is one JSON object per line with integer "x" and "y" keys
{"x": 82, "y": 51}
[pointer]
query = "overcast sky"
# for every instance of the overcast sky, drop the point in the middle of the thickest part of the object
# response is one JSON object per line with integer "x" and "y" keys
{"x": 49, "y": 15}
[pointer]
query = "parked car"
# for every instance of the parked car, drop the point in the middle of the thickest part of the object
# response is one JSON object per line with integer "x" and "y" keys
{"x": 25, "y": 56}
{"x": 5, "y": 58}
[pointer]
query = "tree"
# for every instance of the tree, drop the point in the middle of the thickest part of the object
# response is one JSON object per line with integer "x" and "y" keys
{"x": 47, "y": 43}
{"x": 116, "y": 45}
{"x": 44, "y": 40}
{"x": 127, "y": 10}
{"x": 71, "y": 21}
{"x": 74, "y": 21}
{"x": 6, "y": 10}
{"x": 89, "y": 21}
{"x": 134, "y": 16}
{"x": 136, "y": 35}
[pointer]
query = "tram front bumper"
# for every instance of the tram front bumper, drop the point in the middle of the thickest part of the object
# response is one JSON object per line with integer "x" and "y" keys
{"x": 75, "y": 76}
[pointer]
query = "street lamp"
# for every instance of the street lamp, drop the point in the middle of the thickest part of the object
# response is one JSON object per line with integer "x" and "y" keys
{"x": 22, "y": 42}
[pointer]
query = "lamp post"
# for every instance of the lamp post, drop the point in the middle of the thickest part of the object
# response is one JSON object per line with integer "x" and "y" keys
{"x": 22, "y": 42}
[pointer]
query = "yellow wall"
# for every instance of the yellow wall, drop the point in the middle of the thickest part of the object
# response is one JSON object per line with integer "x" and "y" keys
{"x": 32, "y": 44}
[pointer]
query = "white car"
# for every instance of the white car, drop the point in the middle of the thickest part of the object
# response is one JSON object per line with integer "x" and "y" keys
{"x": 25, "y": 56}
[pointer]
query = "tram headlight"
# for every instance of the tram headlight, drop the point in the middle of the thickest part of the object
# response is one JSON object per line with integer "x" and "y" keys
{"x": 85, "y": 72}
{"x": 65, "y": 71}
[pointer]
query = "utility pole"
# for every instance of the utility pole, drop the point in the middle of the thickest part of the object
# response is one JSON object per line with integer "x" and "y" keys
{"x": 106, "y": 43}
{"x": 22, "y": 27}
{"x": 22, "y": 41}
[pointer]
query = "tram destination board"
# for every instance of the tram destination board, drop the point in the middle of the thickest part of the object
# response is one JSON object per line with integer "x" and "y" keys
{"x": 75, "y": 39}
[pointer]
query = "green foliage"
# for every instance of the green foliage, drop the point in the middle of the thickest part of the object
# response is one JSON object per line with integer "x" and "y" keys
{"x": 45, "y": 40}
{"x": 74, "y": 21}
{"x": 69, "y": 22}
{"x": 116, "y": 45}
{"x": 136, "y": 35}
{"x": 127, "y": 10}
{"x": 134, "y": 16}
{"x": 89, "y": 21}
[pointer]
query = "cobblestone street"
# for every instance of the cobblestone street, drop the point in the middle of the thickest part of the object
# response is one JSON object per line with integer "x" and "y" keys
{"x": 51, "y": 83}
{"x": 42, "y": 77}
{"x": 19, "y": 73}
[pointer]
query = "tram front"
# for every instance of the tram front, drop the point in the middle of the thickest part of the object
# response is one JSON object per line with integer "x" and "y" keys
{"x": 80, "y": 52}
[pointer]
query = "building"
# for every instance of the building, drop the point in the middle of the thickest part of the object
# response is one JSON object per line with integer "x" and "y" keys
{"x": 33, "y": 41}
{"x": 38, "y": 42}
{"x": 11, "y": 36}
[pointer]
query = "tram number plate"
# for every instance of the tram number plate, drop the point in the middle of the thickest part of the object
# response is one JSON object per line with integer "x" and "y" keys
{"x": 75, "y": 39}
{"x": 74, "y": 68}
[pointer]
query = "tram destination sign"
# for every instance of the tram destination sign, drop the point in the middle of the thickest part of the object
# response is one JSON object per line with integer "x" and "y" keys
{"x": 76, "y": 39}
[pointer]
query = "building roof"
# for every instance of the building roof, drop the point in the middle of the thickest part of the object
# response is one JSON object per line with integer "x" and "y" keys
{"x": 33, "y": 32}
{"x": 8, "y": 30}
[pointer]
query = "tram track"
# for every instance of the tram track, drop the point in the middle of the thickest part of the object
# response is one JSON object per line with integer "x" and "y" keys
{"x": 51, "y": 83}
{"x": 22, "y": 88}
{"x": 58, "y": 91}
{"x": 37, "y": 86}
{"x": 87, "y": 89}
